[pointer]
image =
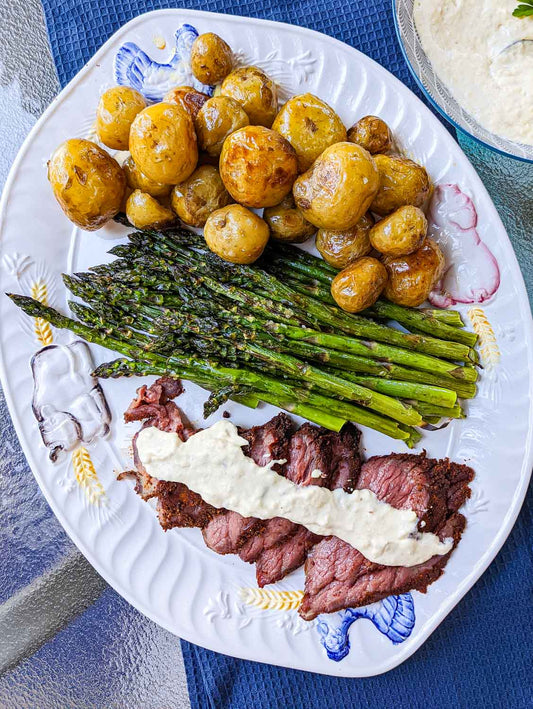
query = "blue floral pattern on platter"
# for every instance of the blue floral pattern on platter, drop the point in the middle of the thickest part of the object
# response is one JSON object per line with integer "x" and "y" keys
{"x": 394, "y": 617}
{"x": 133, "y": 67}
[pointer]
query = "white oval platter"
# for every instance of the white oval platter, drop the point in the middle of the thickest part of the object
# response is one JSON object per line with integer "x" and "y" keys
{"x": 173, "y": 578}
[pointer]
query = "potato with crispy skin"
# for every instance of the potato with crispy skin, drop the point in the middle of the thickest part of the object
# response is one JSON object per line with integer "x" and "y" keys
{"x": 87, "y": 182}
{"x": 401, "y": 233}
{"x": 359, "y": 285}
{"x": 287, "y": 223}
{"x": 163, "y": 143}
{"x": 338, "y": 188}
{"x": 200, "y": 195}
{"x": 188, "y": 98}
{"x": 144, "y": 211}
{"x": 236, "y": 234}
{"x": 138, "y": 181}
{"x": 116, "y": 110}
{"x": 218, "y": 118}
{"x": 372, "y": 134}
{"x": 255, "y": 91}
{"x": 340, "y": 248}
{"x": 211, "y": 58}
{"x": 412, "y": 277}
{"x": 401, "y": 182}
{"x": 310, "y": 126}
{"x": 258, "y": 166}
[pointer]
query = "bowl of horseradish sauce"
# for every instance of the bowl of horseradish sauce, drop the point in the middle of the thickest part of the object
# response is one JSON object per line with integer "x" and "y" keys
{"x": 474, "y": 62}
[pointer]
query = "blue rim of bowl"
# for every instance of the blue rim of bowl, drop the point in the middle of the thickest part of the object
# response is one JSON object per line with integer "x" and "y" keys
{"x": 439, "y": 108}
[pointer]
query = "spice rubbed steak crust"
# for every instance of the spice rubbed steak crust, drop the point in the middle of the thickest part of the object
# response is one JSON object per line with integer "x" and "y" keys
{"x": 337, "y": 575}
{"x": 177, "y": 505}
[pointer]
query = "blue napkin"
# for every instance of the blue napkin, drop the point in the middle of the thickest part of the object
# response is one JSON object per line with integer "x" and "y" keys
{"x": 481, "y": 654}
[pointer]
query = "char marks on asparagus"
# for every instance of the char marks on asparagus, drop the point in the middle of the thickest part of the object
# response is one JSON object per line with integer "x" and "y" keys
{"x": 268, "y": 332}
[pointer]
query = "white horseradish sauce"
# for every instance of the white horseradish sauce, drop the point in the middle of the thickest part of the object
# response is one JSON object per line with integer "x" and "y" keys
{"x": 212, "y": 464}
{"x": 484, "y": 55}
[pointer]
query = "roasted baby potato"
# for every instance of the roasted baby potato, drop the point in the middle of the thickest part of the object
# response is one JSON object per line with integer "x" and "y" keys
{"x": 87, "y": 182}
{"x": 372, "y": 134}
{"x": 218, "y": 118}
{"x": 258, "y": 166}
{"x": 200, "y": 195}
{"x": 144, "y": 211}
{"x": 188, "y": 98}
{"x": 163, "y": 143}
{"x": 287, "y": 223}
{"x": 401, "y": 233}
{"x": 138, "y": 181}
{"x": 255, "y": 91}
{"x": 401, "y": 181}
{"x": 359, "y": 285}
{"x": 310, "y": 126}
{"x": 338, "y": 188}
{"x": 211, "y": 58}
{"x": 340, "y": 248}
{"x": 236, "y": 234}
{"x": 412, "y": 277}
{"x": 115, "y": 113}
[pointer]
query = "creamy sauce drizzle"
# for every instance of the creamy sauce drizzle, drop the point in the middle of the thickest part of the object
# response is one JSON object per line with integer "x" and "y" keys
{"x": 212, "y": 464}
{"x": 485, "y": 57}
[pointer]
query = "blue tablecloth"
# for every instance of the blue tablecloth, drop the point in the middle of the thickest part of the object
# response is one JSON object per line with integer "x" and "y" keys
{"x": 481, "y": 654}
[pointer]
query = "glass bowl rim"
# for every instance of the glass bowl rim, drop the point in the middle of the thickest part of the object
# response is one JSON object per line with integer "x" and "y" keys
{"x": 437, "y": 106}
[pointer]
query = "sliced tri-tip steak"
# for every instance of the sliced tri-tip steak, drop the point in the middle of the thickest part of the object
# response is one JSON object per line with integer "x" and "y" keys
{"x": 308, "y": 451}
{"x": 336, "y": 456}
{"x": 346, "y": 459}
{"x": 274, "y": 564}
{"x": 154, "y": 405}
{"x": 338, "y": 576}
{"x": 177, "y": 505}
{"x": 275, "y": 531}
{"x": 228, "y": 532}
{"x": 345, "y": 464}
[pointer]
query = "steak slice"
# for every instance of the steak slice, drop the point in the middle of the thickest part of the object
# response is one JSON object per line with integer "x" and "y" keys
{"x": 338, "y": 576}
{"x": 309, "y": 450}
{"x": 434, "y": 489}
{"x": 145, "y": 485}
{"x": 229, "y": 531}
{"x": 180, "y": 507}
{"x": 270, "y": 441}
{"x": 274, "y": 564}
{"x": 346, "y": 461}
{"x": 301, "y": 463}
{"x": 274, "y": 532}
{"x": 153, "y": 404}
{"x": 408, "y": 482}
{"x": 177, "y": 505}
{"x": 336, "y": 455}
